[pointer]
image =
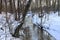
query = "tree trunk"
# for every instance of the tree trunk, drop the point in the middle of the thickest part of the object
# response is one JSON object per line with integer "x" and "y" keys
{"x": 58, "y": 7}
{"x": 11, "y": 9}
{"x": 19, "y": 3}
{"x": 0, "y": 6}
{"x": 14, "y": 10}
{"x": 16, "y": 34}
{"x": 6, "y": 10}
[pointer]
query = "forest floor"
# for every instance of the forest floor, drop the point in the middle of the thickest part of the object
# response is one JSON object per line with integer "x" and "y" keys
{"x": 52, "y": 26}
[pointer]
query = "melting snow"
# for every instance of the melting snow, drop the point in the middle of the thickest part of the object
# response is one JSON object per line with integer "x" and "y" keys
{"x": 53, "y": 23}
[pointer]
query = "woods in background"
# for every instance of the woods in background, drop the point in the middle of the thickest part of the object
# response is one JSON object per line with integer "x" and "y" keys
{"x": 11, "y": 5}
{"x": 23, "y": 6}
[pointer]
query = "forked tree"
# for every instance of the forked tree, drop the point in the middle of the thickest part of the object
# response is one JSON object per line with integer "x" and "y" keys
{"x": 16, "y": 33}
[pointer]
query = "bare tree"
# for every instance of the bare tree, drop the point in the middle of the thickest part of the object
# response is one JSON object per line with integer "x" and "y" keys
{"x": 16, "y": 34}
{"x": 55, "y": 6}
{"x": 41, "y": 20}
{"x": 14, "y": 9}
{"x": 11, "y": 9}
{"x": 19, "y": 3}
{"x": 58, "y": 7}
{"x": 6, "y": 9}
{"x": 0, "y": 6}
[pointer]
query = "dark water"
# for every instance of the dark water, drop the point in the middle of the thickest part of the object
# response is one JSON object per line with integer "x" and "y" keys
{"x": 37, "y": 34}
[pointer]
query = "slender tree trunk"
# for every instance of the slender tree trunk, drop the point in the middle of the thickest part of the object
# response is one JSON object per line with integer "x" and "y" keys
{"x": 19, "y": 3}
{"x": 36, "y": 3}
{"x": 0, "y": 6}
{"x": 11, "y": 9}
{"x": 55, "y": 6}
{"x": 6, "y": 15}
{"x": 14, "y": 10}
{"x": 41, "y": 15}
{"x": 58, "y": 7}
{"x": 47, "y": 5}
{"x": 6, "y": 10}
{"x": 47, "y": 8}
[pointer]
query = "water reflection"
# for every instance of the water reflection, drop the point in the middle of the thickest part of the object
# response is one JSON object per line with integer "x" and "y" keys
{"x": 37, "y": 34}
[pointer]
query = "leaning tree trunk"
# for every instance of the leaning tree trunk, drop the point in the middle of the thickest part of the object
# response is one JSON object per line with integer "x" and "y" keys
{"x": 16, "y": 34}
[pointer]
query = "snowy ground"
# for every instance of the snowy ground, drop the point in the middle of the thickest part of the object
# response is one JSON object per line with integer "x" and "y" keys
{"x": 53, "y": 23}
{"x": 4, "y": 29}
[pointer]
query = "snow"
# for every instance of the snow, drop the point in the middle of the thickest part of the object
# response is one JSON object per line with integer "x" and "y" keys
{"x": 4, "y": 29}
{"x": 53, "y": 23}
{"x": 36, "y": 19}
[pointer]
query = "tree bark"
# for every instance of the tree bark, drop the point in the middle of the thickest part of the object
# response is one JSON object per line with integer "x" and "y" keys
{"x": 19, "y": 9}
{"x": 58, "y": 7}
{"x": 0, "y": 6}
{"x": 16, "y": 34}
{"x": 11, "y": 9}
{"x": 6, "y": 10}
